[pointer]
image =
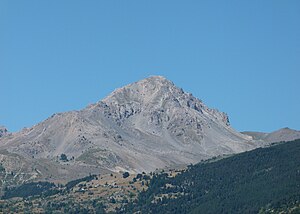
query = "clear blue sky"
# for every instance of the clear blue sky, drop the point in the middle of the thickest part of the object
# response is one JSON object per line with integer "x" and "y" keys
{"x": 241, "y": 57}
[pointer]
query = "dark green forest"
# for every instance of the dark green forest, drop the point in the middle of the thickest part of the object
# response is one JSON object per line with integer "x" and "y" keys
{"x": 41, "y": 188}
{"x": 258, "y": 181}
{"x": 30, "y": 189}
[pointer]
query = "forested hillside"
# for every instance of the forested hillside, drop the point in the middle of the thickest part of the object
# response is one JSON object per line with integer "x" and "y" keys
{"x": 262, "y": 180}
{"x": 265, "y": 180}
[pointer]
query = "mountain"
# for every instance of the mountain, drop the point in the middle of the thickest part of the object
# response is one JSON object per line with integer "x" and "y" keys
{"x": 146, "y": 125}
{"x": 285, "y": 134}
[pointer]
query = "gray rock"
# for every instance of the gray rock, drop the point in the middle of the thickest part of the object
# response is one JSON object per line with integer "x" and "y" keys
{"x": 140, "y": 127}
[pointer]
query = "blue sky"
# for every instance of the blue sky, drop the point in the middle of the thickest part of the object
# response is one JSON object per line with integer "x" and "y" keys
{"x": 241, "y": 57}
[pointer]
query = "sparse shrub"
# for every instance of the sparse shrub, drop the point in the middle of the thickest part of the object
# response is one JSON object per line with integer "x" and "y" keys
{"x": 113, "y": 200}
{"x": 125, "y": 174}
{"x": 2, "y": 169}
{"x": 63, "y": 157}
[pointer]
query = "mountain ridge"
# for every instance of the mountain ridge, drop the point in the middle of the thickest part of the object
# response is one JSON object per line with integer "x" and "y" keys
{"x": 142, "y": 126}
{"x": 283, "y": 134}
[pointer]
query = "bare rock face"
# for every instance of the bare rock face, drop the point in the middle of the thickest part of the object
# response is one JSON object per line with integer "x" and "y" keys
{"x": 159, "y": 109}
{"x": 146, "y": 125}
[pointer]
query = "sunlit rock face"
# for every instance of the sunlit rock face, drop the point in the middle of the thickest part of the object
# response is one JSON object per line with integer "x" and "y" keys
{"x": 146, "y": 125}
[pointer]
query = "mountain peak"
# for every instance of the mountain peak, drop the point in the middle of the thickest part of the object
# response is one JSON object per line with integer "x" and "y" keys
{"x": 143, "y": 91}
{"x": 156, "y": 94}
{"x": 142, "y": 126}
{"x": 157, "y": 77}
{"x": 157, "y": 80}
{"x": 285, "y": 130}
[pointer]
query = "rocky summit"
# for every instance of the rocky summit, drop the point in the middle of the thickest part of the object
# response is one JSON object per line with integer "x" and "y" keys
{"x": 143, "y": 126}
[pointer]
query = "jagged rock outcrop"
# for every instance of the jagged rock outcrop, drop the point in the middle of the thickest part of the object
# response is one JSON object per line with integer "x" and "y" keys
{"x": 146, "y": 125}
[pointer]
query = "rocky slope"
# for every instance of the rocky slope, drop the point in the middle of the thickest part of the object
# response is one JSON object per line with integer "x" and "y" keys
{"x": 143, "y": 126}
{"x": 285, "y": 134}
